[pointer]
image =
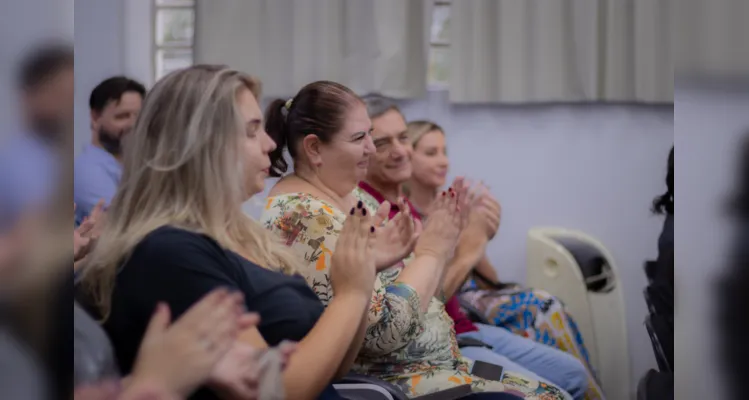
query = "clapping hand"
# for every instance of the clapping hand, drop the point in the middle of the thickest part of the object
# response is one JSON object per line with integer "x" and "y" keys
{"x": 485, "y": 214}
{"x": 446, "y": 222}
{"x": 88, "y": 231}
{"x": 397, "y": 237}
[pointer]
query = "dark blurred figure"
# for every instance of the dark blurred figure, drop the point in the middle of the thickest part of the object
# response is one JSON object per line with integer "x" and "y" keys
{"x": 115, "y": 104}
{"x": 29, "y": 161}
{"x": 35, "y": 252}
{"x": 733, "y": 290}
{"x": 659, "y": 296}
{"x": 664, "y": 204}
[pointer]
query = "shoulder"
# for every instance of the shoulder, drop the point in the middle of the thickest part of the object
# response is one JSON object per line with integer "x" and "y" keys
{"x": 92, "y": 180}
{"x": 366, "y": 198}
{"x": 86, "y": 166}
{"x": 298, "y": 207}
{"x": 169, "y": 245}
{"x": 302, "y": 218}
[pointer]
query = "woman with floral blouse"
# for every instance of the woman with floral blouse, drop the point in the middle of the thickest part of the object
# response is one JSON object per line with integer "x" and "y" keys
{"x": 409, "y": 339}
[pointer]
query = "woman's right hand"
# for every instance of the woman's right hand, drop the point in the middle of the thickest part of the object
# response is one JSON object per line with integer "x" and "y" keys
{"x": 352, "y": 268}
{"x": 181, "y": 356}
{"x": 446, "y": 221}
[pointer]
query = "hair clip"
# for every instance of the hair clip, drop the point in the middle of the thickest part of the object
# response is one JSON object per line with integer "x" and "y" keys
{"x": 288, "y": 104}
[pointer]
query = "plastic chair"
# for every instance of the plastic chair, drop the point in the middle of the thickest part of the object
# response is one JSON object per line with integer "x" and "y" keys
{"x": 579, "y": 270}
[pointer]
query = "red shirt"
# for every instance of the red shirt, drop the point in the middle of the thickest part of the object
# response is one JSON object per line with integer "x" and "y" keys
{"x": 462, "y": 323}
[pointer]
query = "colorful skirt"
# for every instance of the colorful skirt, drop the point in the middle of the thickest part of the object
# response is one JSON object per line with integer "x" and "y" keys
{"x": 537, "y": 315}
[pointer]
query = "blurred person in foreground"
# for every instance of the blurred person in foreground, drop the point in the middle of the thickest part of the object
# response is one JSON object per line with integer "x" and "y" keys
{"x": 114, "y": 104}
{"x": 40, "y": 321}
{"x": 29, "y": 159}
{"x": 35, "y": 347}
{"x": 664, "y": 205}
{"x": 733, "y": 290}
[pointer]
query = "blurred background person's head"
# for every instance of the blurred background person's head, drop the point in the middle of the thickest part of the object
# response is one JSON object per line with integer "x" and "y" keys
{"x": 115, "y": 104}
{"x": 45, "y": 79}
{"x": 429, "y": 161}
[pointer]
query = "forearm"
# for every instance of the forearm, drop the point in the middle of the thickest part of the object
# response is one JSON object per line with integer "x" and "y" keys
{"x": 319, "y": 356}
{"x": 424, "y": 274}
{"x": 486, "y": 269}
{"x": 353, "y": 349}
{"x": 394, "y": 320}
{"x": 143, "y": 389}
{"x": 466, "y": 258}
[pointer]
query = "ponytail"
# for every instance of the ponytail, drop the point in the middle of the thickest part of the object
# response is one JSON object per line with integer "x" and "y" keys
{"x": 318, "y": 109}
{"x": 664, "y": 204}
{"x": 277, "y": 128}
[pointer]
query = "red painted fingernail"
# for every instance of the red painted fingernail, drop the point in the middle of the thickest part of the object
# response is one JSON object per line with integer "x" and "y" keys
{"x": 443, "y": 193}
{"x": 371, "y": 229}
{"x": 452, "y": 194}
{"x": 364, "y": 211}
{"x": 352, "y": 211}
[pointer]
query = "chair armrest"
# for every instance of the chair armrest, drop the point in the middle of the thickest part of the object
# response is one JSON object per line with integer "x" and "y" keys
{"x": 398, "y": 394}
{"x": 362, "y": 391}
{"x": 455, "y": 393}
{"x": 393, "y": 390}
{"x": 471, "y": 342}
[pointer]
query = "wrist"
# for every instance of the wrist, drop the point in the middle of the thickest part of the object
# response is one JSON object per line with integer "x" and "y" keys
{"x": 146, "y": 388}
{"x": 472, "y": 239}
{"x": 353, "y": 296}
{"x": 431, "y": 256}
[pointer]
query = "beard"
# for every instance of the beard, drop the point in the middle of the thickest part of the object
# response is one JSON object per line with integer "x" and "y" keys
{"x": 49, "y": 128}
{"x": 111, "y": 141}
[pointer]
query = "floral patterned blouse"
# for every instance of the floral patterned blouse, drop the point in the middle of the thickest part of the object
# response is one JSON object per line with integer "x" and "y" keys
{"x": 414, "y": 350}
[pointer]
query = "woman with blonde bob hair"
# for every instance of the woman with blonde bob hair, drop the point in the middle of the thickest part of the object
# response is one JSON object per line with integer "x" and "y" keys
{"x": 501, "y": 304}
{"x": 175, "y": 231}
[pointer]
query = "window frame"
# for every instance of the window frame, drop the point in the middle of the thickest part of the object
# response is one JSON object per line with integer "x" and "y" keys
{"x": 445, "y": 44}
{"x": 156, "y": 48}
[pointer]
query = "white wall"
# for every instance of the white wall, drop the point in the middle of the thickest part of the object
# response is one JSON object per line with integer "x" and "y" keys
{"x": 99, "y": 54}
{"x": 112, "y": 37}
{"x": 593, "y": 168}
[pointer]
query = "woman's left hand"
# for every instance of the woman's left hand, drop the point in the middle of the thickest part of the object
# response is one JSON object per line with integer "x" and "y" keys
{"x": 88, "y": 231}
{"x": 397, "y": 238}
{"x": 236, "y": 376}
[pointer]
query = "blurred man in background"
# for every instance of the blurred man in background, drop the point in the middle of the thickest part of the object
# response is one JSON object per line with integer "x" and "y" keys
{"x": 115, "y": 104}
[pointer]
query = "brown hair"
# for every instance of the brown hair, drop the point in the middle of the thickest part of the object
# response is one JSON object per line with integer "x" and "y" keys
{"x": 319, "y": 109}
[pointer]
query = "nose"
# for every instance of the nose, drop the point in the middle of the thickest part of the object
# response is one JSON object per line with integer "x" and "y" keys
{"x": 444, "y": 161}
{"x": 400, "y": 150}
{"x": 270, "y": 144}
{"x": 369, "y": 146}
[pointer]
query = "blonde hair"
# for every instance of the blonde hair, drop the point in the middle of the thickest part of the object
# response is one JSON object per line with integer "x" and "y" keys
{"x": 183, "y": 168}
{"x": 417, "y": 129}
